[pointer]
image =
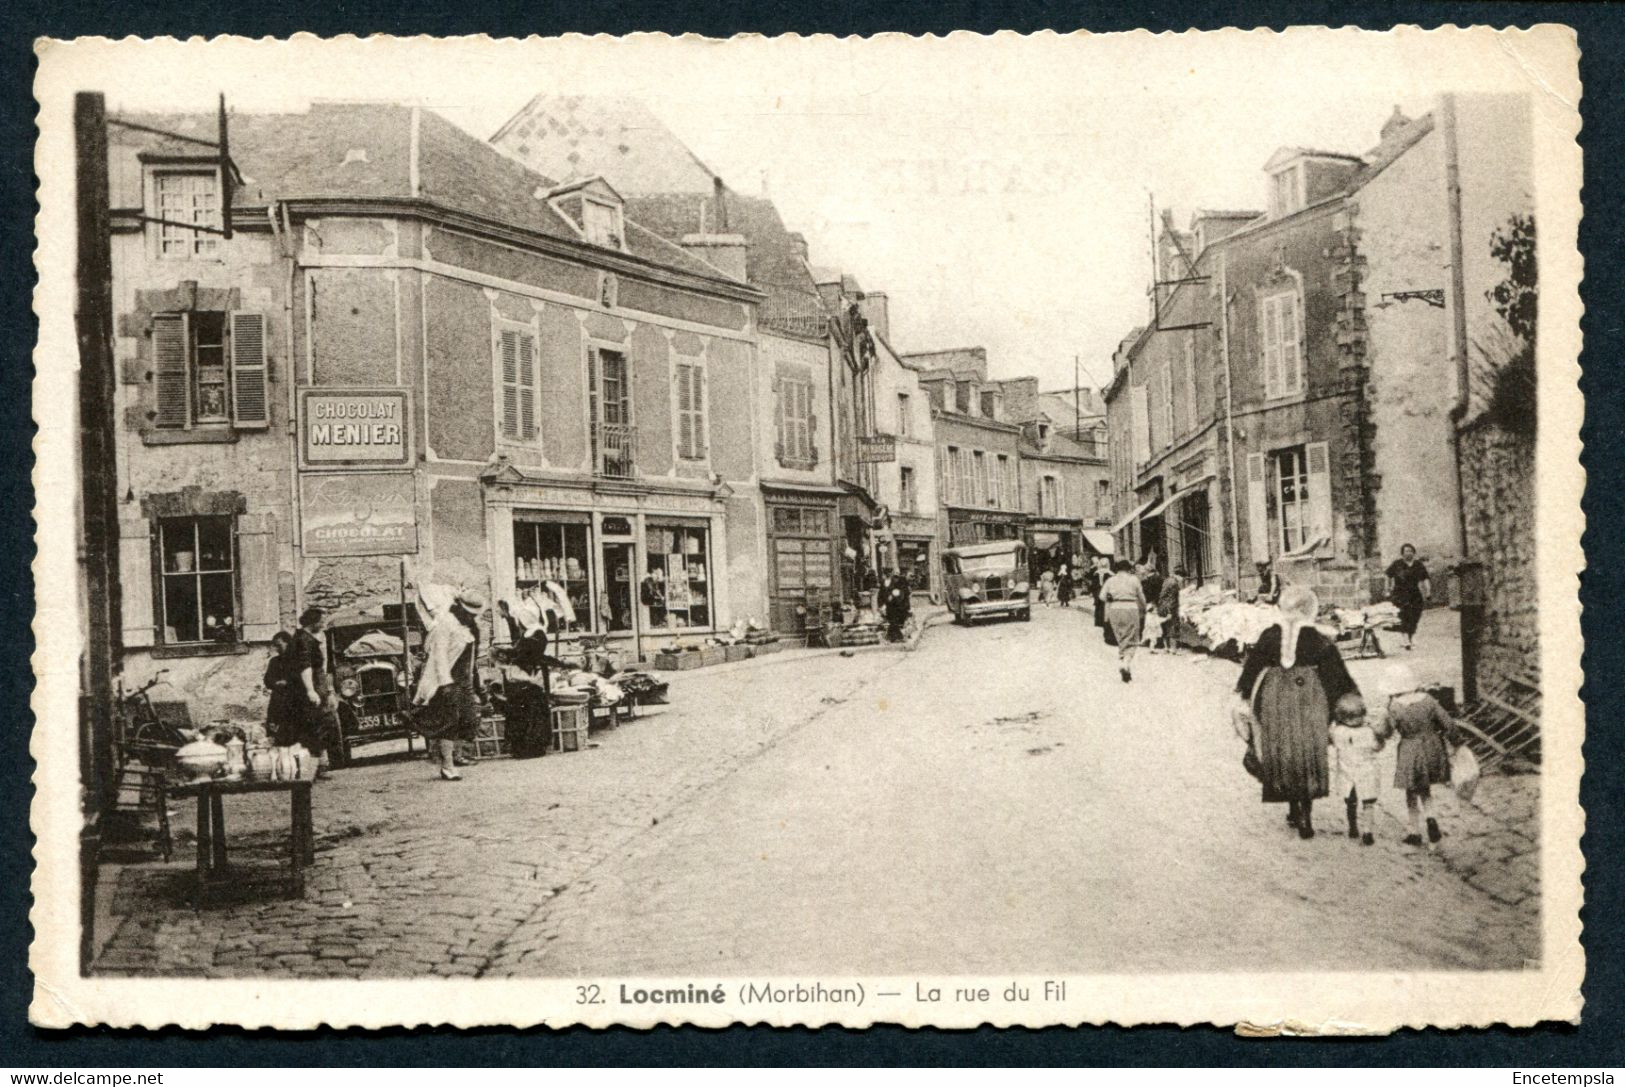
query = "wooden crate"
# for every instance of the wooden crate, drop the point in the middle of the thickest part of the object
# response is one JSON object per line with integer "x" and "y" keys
{"x": 712, "y": 655}
{"x": 569, "y": 727}
{"x": 738, "y": 653}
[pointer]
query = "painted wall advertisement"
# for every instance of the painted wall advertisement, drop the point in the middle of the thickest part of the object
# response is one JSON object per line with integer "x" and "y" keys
{"x": 355, "y": 428}
{"x": 358, "y": 513}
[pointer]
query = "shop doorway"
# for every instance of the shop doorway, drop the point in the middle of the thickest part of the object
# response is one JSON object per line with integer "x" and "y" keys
{"x": 618, "y": 608}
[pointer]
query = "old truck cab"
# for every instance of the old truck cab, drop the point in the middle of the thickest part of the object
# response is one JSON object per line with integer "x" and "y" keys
{"x": 987, "y": 579}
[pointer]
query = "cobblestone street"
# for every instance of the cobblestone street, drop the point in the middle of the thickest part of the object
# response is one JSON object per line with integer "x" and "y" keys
{"x": 887, "y": 812}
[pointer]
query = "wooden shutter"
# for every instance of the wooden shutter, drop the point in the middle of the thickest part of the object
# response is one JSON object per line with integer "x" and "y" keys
{"x": 1291, "y": 355}
{"x": 1258, "y": 521}
{"x": 697, "y": 397}
{"x": 1141, "y": 422}
{"x": 1269, "y": 328}
{"x": 136, "y": 582}
{"x": 171, "y": 369}
{"x": 527, "y": 387}
{"x": 685, "y": 416}
{"x": 509, "y": 351}
{"x": 1320, "y": 491}
{"x": 781, "y": 395}
{"x": 256, "y": 557}
{"x": 812, "y": 425}
{"x": 249, "y": 404}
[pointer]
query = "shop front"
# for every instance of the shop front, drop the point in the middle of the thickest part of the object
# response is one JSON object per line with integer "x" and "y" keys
{"x": 803, "y": 545}
{"x": 967, "y": 526}
{"x": 636, "y": 571}
{"x": 1052, "y": 543}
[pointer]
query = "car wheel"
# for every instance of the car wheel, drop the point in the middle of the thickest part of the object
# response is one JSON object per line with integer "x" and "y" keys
{"x": 1026, "y": 615}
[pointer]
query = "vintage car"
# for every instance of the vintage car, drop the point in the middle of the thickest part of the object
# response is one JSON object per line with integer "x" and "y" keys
{"x": 987, "y": 579}
{"x": 369, "y": 668}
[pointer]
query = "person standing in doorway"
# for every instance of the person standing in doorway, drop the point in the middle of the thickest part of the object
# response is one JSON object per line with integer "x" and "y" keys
{"x": 450, "y": 685}
{"x": 1409, "y": 589}
{"x": 1292, "y": 679}
{"x": 314, "y": 705}
{"x": 1125, "y": 614}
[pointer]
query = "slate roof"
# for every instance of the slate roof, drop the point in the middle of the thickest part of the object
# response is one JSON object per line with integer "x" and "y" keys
{"x": 572, "y": 136}
{"x": 364, "y": 150}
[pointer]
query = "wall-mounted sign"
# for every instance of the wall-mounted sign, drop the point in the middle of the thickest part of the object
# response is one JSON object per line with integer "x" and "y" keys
{"x": 355, "y": 428}
{"x": 356, "y": 513}
{"x": 877, "y": 449}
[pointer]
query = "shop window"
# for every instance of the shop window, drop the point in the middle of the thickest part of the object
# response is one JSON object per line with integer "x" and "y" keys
{"x": 914, "y": 557}
{"x": 516, "y": 353}
{"x": 209, "y": 370}
{"x": 678, "y": 580}
{"x": 183, "y": 202}
{"x": 690, "y": 411}
{"x": 1282, "y": 353}
{"x": 197, "y": 576}
{"x": 907, "y": 498}
{"x": 556, "y": 551}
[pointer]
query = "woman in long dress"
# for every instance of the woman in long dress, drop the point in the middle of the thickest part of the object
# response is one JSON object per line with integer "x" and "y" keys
{"x": 450, "y": 688}
{"x": 1291, "y": 680}
{"x": 1408, "y": 588}
{"x": 1125, "y": 614}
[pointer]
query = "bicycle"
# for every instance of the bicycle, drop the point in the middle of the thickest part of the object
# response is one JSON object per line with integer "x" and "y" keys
{"x": 142, "y": 731}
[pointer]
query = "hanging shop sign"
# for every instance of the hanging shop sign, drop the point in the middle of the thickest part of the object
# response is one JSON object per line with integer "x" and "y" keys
{"x": 355, "y": 428}
{"x": 353, "y": 513}
{"x": 877, "y": 449}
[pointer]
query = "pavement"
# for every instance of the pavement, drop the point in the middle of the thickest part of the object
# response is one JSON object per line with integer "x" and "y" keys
{"x": 994, "y": 801}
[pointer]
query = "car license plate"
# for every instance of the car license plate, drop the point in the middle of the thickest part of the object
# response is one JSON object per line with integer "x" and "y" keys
{"x": 378, "y": 722}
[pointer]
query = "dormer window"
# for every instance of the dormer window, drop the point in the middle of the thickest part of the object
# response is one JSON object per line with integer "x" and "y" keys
{"x": 183, "y": 200}
{"x": 1286, "y": 191}
{"x": 602, "y": 224}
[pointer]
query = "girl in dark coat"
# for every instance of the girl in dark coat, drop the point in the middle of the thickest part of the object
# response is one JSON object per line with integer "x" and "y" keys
{"x": 1292, "y": 678}
{"x": 282, "y": 711}
{"x": 1063, "y": 587}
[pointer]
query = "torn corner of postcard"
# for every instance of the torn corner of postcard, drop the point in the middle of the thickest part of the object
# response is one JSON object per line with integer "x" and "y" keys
{"x": 525, "y": 570}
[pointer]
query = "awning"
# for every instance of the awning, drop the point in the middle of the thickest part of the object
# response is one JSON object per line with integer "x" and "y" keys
{"x": 1099, "y": 541}
{"x": 1135, "y": 516}
{"x": 1043, "y": 541}
{"x": 1189, "y": 489}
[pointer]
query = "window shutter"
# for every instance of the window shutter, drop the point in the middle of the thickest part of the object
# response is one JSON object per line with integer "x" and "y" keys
{"x": 1291, "y": 353}
{"x": 1269, "y": 329}
{"x": 256, "y": 556}
{"x": 685, "y": 414}
{"x": 510, "y": 383}
{"x": 1258, "y": 524}
{"x": 698, "y": 395}
{"x": 812, "y": 425}
{"x": 781, "y": 394}
{"x": 135, "y": 581}
{"x": 171, "y": 371}
{"x": 249, "y": 406}
{"x": 527, "y": 387}
{"x": 1320, "y": 491}
{"x": 1140, "y": 410}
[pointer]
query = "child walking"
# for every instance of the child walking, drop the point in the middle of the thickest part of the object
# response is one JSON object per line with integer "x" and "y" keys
{"x": 1354, "y": 765}
{"x": 1423, "y": 759}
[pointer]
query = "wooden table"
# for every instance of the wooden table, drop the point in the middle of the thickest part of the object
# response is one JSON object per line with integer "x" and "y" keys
{"x": 212, "y": 868}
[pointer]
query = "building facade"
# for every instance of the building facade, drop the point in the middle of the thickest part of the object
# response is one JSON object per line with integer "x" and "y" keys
{"x": 1291, "y": 399}
{"x": 413, "y": 349}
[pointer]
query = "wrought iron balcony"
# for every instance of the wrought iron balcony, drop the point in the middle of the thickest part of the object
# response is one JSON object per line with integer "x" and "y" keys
{"x": 613, "y": 450}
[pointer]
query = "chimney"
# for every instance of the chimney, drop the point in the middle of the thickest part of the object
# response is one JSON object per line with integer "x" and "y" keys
{"x": 725, "y": 252}
{"x": 1397, "y": 122}
{"x": 873, "y": 306}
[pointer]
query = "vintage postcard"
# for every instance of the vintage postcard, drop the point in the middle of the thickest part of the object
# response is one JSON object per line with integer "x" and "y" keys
{"x": 990, "y": 529}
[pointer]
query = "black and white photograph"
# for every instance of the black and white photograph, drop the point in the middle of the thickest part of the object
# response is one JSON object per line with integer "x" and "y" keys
{"x": 1014, "y": 529}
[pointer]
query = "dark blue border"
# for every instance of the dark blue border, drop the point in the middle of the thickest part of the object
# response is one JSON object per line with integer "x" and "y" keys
{"x": 1597, "y": 1042}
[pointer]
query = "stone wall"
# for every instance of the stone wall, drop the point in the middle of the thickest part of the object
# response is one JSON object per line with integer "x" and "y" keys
{"x": 1498, "y": 479}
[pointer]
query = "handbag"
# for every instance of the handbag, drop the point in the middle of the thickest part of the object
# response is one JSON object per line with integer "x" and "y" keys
{"x": 1464, "y": 771}
{"x": 1250, "y": 763}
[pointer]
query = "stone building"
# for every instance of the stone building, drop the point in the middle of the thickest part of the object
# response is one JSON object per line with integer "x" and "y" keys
{"x": 1292, "y": 399}
{"x": 412, "y": 347}
{"x": 978, "y": 449}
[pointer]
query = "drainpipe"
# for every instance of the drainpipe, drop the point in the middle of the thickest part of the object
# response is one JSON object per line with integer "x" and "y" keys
{"x": 1458, "y": 299}
{"x": 285, "y": 234}
{"x": 1229, "y": 418}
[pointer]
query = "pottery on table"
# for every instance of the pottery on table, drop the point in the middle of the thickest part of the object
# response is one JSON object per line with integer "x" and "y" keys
{"x": 200, "y": 758}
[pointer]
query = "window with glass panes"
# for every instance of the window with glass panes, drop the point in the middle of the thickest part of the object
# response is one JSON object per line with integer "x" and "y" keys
{"x": 1291, "y": 468}
{"x": 907, "y": 499}
{"x": 185, "y": 201}
{"x": 679, "y": 570}
{"x": 197, "y": 574}
{"x": 556, "y": 549}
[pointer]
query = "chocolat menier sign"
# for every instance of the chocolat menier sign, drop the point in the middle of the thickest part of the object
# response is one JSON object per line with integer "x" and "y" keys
{"x": 355, "y": 428}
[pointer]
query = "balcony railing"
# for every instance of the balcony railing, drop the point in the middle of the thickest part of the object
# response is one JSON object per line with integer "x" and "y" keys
{"x": 612, "y": 450}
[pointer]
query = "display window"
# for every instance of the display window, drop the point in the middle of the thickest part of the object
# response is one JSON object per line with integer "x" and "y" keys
{"x": 914, "y": 557}
{"x": 677, "y": 582}
{"x": 556, "y": 550}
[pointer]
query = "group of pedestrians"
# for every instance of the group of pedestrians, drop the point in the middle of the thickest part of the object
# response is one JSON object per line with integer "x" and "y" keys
{"x": 302, "y": 710}
{"x": 1057, "y": 586}
{"x": 1135, "y": 606}
{"x": 1309, "y": 733}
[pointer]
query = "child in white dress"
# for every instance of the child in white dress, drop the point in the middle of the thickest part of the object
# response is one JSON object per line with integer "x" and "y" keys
{"x": 1355, "y": 777}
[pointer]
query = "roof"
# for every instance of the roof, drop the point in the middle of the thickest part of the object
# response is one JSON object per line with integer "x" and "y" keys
{"x": 1382, "y": 156}
{"x": 575, "y": 135}
{"x": 364, "y": 150}
{"x": 773, "y": 261}
{"x": 1287, "y": 154}
{"x": 1210, "y": 213}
